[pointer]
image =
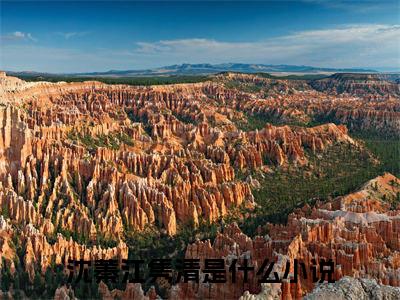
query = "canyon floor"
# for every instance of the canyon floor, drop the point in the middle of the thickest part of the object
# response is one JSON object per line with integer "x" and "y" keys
{"x": 234, "y": 166}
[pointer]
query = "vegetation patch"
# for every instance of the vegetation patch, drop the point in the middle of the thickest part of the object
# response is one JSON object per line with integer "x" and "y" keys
{"x": 111, "y": 141}
{"x": 339, "y": 171}
{"x": 243, "y": 86}
{"x": 143, "y": 80}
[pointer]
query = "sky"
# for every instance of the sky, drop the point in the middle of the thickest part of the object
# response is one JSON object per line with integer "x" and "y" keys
{"x": 83, "y": 36}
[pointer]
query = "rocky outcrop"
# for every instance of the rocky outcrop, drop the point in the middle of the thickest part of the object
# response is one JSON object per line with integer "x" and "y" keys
{"x": 64, "y": 293}
{"x": 353, "y": 288}
{"x": 132, "y": 291}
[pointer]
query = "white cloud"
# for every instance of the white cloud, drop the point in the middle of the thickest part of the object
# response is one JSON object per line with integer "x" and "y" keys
{"x": 68, "y": 35}
{"x": 19, "y": 36}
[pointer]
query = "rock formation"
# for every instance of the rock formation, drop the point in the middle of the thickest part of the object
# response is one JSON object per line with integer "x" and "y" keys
{"x": 83, "y": 163}
{"x": 353, "y": 288}
{"x": 359, "y": 232}
{"x": 362, "y": 102}
{"x": 357, "y": 84}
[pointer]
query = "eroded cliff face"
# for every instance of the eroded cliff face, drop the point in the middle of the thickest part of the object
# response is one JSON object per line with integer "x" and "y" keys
{"x": 358, "y": 231}
{"x": 358, "y": 84}
{"x": 368, "y": 103}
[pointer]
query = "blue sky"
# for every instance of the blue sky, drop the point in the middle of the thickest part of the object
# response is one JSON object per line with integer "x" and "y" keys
{"x": 98, "y": 36}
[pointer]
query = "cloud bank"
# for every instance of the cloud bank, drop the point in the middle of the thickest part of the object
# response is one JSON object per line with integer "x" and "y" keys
{"x": 361, "y": 45}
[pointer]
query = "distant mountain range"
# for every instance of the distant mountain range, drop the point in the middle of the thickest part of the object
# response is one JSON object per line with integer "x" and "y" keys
{"x": 207, "y": 69}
